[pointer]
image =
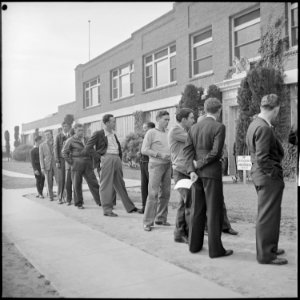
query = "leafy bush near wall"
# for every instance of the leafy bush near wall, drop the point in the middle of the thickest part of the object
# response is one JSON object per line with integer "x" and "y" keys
{"x": 289, "y": 163}
{"x": 22, "y": 153}
{"x": 131, "y": 148}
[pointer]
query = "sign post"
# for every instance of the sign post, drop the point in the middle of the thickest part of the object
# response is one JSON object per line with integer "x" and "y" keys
{"x": 244, "y": 163}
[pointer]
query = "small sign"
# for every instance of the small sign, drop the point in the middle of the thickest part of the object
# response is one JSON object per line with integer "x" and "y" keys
{"x": 244, "y": 162}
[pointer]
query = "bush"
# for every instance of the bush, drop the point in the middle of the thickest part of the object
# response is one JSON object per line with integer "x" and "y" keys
{"x": 131, "y": 148}
{"x": 289, "y": 163}
{"x": 22, "y": 153}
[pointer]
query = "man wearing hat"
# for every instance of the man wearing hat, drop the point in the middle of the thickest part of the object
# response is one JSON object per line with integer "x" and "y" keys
{"x": 267, "y": 175}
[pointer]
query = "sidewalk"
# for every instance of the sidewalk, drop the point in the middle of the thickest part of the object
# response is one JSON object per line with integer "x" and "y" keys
{"x": 83, "y": 262}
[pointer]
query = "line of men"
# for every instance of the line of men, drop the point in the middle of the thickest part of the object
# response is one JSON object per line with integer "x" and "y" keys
{"x": 194, "y": 151}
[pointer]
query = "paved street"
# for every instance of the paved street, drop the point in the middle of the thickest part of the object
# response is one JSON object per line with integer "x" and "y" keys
{"x": 85, "y": 254}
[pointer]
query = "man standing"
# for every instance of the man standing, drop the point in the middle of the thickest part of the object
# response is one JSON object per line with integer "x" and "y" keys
{"x": 109, "y": 151}
{"x": 155, "y": 145}
{"x": 204, "y": 145}
{"x": 177, "y": 138}
{"x": 81, "y": 166}
{"x": 144, "y": 162}
{"x": 47, "y": 162}
{"x": 60, "y": 162}
{"x": 35, "y": 161}
{"x": 267, "y": 175}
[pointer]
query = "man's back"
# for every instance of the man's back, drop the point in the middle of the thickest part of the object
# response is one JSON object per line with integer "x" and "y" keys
{"x": 206, "y": 141}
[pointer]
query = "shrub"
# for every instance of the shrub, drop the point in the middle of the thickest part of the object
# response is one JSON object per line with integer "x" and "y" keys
{"x": 22, "y": 153}
{"x": 131, "y": 148}
{"x": 17, "y": 141}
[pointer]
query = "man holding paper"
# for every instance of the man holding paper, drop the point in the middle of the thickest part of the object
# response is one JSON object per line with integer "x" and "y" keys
{"x": 204, "y": 145}
{"x": 177, "y": 138}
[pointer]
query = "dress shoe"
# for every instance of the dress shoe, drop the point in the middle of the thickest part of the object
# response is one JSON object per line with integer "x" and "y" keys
{"x": 162, "y": 223}
{"x": 147, "y": 228}
{"x": 142, "y": 210}
{"x": 230, "y": 231}
{"x": 69, "y": 203}
{"x": 279, "y": 251}
{"x": 227, "y": 253}
{"x": 80, "y": 207}
{"x": 135, "y": 210}
{"x": 182, "y": 239}
{"x": 41, "y": 196}
{"x": 51, "y": 199}
{"x": 37, "y": 196}
{"x": 60, "y": 202}
{"x": 278, "y": 261}
{"x": 111, "y": 214}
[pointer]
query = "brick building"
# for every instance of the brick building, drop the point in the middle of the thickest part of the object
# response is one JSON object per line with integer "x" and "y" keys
{"x": 194, "y": 43}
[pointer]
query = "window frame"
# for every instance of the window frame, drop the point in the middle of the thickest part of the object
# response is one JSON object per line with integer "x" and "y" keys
{"x": 153, "y": 64}
{"x": 290, "y": 8}
{"x": 193, "y": 46}
{"x": 89, "y": 90}
{"x": 118, "y": 77}
{"x": 242, "y": 26}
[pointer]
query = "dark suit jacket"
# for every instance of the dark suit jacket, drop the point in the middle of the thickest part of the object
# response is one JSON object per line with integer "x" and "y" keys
{"x": 58, "y": 145}
{"x": 205, "y": 144}
{"x": 35, "y": 159}
{"x": 266, "y": 152}
{"x": 99, "y": 140}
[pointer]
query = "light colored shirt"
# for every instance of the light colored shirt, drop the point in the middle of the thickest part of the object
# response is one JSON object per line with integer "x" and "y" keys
{"x": 212, "y": 116}
{"x": 156, "y": 141}
{"x": 112, "y": 145}
{"x": 177, "y": 138}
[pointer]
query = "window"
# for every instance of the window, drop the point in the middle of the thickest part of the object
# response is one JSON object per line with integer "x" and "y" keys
{"x": 160, "y": 68}
{"x": 122, "y": 82}
{"x": 246, "y": 35}
{"x": 293, "y": 24}
{"x": 91, "y": 90}
{"x": 201, "y": 53}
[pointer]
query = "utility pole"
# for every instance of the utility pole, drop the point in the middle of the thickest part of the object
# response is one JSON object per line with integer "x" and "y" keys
{"x": 89, "y": 40}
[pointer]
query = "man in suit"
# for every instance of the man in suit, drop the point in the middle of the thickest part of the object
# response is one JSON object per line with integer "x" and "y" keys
{"x": 177, "y": 138}
{"x": 267, "y": 175}
{"x": 81, "y": 166}
{"x": 60, "y": 162}
{"x": 203, "y": 152}
{"x": 156, "y": 146}
{"x": 108, "y": 150}
{"x": 47, "y": 162}
{"x": 35, "y": 162}
{"x": 144, "y": 162}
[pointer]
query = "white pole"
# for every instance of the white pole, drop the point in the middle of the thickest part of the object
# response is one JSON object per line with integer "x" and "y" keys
{"x": 89, "y": 40}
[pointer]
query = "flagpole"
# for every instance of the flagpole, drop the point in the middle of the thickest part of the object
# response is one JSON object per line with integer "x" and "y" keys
{"x": 89, "y": 40}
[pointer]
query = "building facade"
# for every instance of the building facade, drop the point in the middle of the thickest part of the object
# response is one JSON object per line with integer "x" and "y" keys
{"x": 194, "y": 43}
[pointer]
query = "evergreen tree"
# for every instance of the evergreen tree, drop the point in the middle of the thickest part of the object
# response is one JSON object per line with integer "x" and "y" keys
{"x": 7, "y": 145}
{"x": 69, "y": 119}
{"x": 17, "y": 138}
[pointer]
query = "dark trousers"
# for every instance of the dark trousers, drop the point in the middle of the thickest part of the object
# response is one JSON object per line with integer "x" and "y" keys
{"x": 61, "y": 179}
{"x": 39, "y": 182}
{"x": 69, "y": 185}
{"x": 207, "y": 199}
{"x": 183, "y": 209}
{"x": 83, "y": 168}
{"x": 144, "y": 182}
{"x": 268, "y": 220}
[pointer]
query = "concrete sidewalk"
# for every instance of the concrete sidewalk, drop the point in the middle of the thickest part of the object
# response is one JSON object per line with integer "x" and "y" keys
{"x": 83, "y": 262}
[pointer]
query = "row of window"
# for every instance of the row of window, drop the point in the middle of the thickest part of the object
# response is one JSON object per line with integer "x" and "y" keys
{"x": 160, "y": 66}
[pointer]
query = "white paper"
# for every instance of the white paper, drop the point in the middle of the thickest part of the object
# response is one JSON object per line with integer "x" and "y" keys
{"x": 183, "y": 184}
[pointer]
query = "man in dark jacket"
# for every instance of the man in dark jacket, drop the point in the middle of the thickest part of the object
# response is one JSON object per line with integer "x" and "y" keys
{"x": 267, "y": 175}
{"x": 203, "y": 152}
{"x": 81, "y": 166}
{"x": 35, "y": 162}
{"x": 109, "y": 152}
{"x": 60, "y": 162}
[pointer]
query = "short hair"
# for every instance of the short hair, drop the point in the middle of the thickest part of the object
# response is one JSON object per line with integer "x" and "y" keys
{"x": 106, "y": 118}
{"x": 162, "y": 113}
{"x": 48, "y": 130}
{"x": 65, "y": 123}
{"x": 212, "y": 105}
{"x": 183, "y": 113}
{"x": 269, "y": 101}
{"x": 150, "y": 124}
{"x": 77, "y": 125}
{"x": 37, "y": 138}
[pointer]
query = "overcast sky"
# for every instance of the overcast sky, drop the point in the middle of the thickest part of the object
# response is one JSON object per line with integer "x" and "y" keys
{"x": 43, "y": 42}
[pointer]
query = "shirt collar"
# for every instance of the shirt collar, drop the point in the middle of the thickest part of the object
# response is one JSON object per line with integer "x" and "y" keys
{"x": 262, "y": 117}
{"x": 212, "y": 116}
